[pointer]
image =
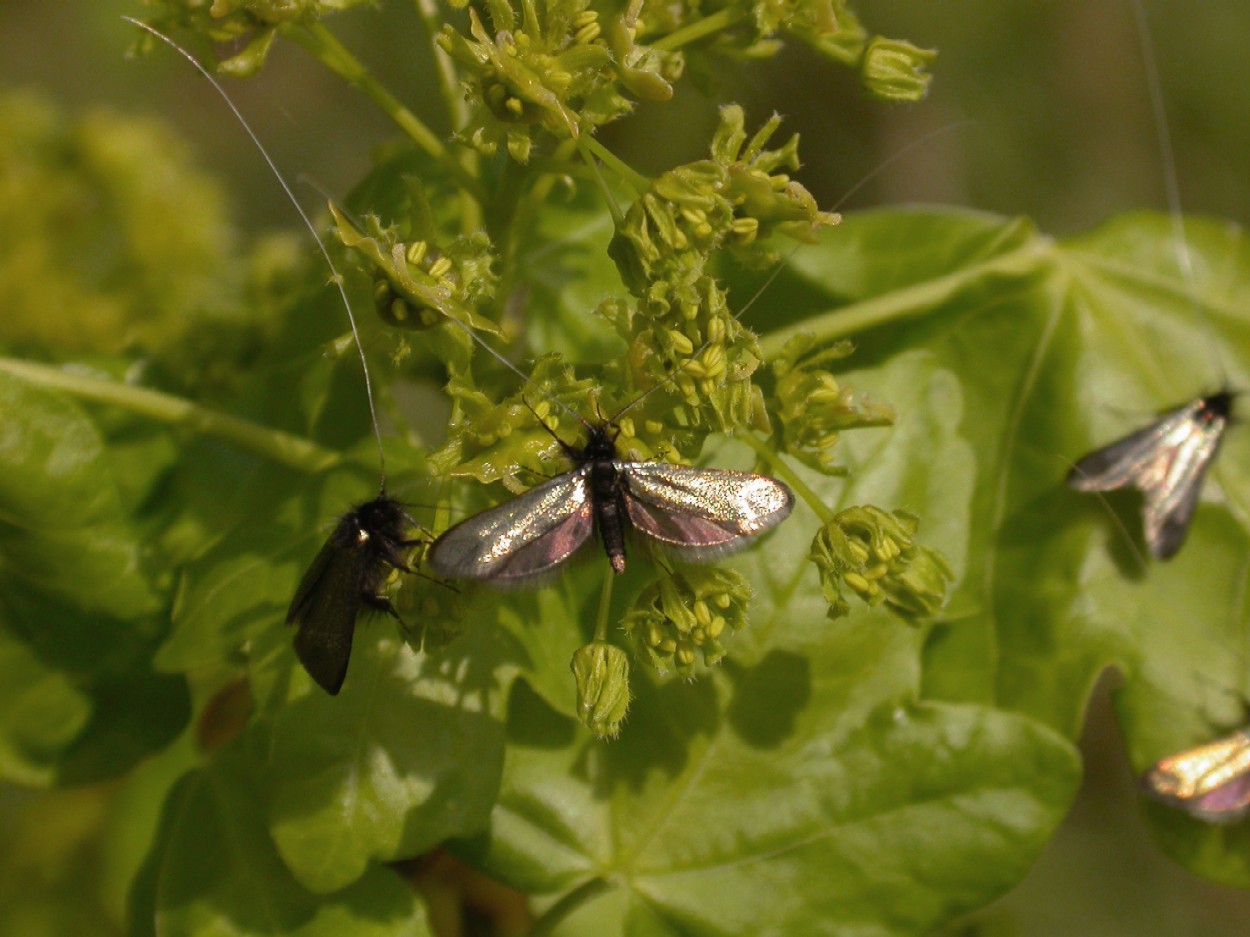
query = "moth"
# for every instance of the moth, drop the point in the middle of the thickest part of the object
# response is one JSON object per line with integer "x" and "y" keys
{"x": 349, "y": 571}
{"x": 1166, "y": 461}
{"x": 346, "y": 576}
{"x": 696, "y": 513}
{"x": 1210, "y": 782}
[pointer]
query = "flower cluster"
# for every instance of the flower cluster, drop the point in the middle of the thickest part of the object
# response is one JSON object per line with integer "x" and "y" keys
{"x": 688, "y": 339}
{"x": 813, "y": 408}
{"x": 683, "y": 616}
{"x": 514, "y": 440}
{"x": 256, "y": 21}
{"x": 890, "y": 69}
{"x": 561, "y": 69}
{"x": 418, "y": 282}
{"x": 872, "y": 553}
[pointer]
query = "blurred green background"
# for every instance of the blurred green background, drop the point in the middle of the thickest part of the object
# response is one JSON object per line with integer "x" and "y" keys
{"x": 1046, "y": 113}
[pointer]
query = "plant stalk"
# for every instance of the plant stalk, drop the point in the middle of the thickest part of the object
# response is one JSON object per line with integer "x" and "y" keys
{"x": 276, "y": 446}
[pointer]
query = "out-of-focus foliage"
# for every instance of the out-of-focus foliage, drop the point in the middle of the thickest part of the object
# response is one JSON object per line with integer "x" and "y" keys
{"x": 807, "y": 737}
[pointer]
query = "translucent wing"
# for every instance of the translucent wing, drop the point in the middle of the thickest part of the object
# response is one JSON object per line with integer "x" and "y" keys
{"x": 701, "y": 512}
{"x": 1170, "y": 505}
{"x": 1166, "y": 461}
{"x": 520, "y": 539}
{"x": 1132, "y": 460}
{"x": 1212, "y": 781}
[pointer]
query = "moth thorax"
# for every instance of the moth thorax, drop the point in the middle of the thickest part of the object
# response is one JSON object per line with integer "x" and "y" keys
{"x": 600, "y": 446}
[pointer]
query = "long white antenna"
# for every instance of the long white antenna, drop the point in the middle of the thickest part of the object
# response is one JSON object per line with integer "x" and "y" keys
{"x": 894, "y": 157}
{"x": 1167, "y": 154}
{"x": 337, "y": 279}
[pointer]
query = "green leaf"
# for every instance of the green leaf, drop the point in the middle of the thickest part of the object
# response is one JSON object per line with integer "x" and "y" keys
{"x": 401, "y": 760}
{"x": 801, "y": 780}
{"x": 41, "y": 713}
{"x": 75, "y": 590}
{"x": 570, "y": 274}
{"x": 1057, "y": 348}
{"x": 218, "y": 872}
{"x": 63, "y": 530}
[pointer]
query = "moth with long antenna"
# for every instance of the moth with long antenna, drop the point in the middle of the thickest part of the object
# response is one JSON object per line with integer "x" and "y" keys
{"x": 349, "y": 572}
{"x": 697, "y": 514}
{"x": 1168, "y": 459}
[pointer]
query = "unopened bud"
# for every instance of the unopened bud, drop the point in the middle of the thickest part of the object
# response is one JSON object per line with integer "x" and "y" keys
{"x": 601, "y": 671}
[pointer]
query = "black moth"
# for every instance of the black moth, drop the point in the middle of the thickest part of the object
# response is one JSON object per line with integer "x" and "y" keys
{"x": 1166, "y": 461}
{"x": 697, "y": 513}
{"x": 348, "y": 572}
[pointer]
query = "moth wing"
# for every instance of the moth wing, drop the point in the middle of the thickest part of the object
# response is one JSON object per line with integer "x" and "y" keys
{"x": 1132, "y": 460}
{"x": 700, "y": 513}
{"x": 1224, "y": 804}
{"x": 1169, "y": 504}
{"x": 1212, "y": 781}
{"x": 521, "y": 539}
{"x": 324, "y": 610}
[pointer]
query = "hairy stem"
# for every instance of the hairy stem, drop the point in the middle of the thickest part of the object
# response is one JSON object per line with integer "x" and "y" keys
{"x": 910, "y": 302}
{"x": 274, "y": 445}
{"x": 326, "y": 48}
{"x": 457, "y": 110}
{"x": 700, "y": 29}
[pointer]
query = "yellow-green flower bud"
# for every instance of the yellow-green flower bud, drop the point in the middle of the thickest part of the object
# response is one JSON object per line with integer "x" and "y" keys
{"x": 895, "y": 70}
{"x": 871, "y": 553}
{"x": 672, "y": 624}
{"x": 812, "y": 408}
{"x": 416, "y": 252}
{"x": 601, "y": 671}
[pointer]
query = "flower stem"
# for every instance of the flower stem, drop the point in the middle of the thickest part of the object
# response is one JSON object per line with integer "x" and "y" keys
{"x": 618, "y": 217}
{"x": 326, "y": 48}
{"x": 911, "y": 302}
{"x": 605, "y": 601}
{"x": 274, "y": 445}
{"x": 630, "y": 176}
{"x": 457, "y": 109}
{"x": 699, "y": 29}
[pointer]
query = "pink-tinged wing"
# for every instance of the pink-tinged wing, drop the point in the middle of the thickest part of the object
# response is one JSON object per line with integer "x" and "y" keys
{"x": 1211, "y": 782}
{"x": 1169, "y": 505}
{"x": 700, "y": 513}
{"x": 1225, "y": 804}
{"x": 520, "y": 540}
{"x": 679, "y": 530}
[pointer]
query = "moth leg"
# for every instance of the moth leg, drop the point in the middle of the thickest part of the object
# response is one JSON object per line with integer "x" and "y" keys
{"x": 381, "y": 603}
